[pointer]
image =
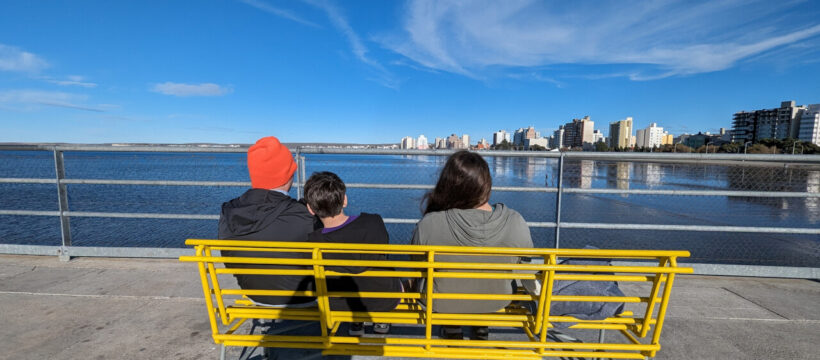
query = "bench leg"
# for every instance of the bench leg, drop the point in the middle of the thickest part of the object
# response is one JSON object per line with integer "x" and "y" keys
{"x": 222, "y": 352}
{"x": 601, "y": 336}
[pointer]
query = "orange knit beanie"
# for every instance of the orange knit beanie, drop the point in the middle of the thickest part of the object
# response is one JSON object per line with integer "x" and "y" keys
{"x": 270, "y": 164}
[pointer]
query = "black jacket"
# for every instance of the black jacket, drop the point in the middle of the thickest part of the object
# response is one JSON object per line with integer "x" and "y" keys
{"x": 267, "y": 215}
{"x": 366, "y": 229}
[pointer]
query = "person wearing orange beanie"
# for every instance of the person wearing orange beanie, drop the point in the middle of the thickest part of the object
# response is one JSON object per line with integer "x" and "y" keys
{"x": 266, "y": 212}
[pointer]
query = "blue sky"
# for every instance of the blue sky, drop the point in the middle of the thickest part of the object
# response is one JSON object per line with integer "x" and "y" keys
{"x": 374, "y": 71}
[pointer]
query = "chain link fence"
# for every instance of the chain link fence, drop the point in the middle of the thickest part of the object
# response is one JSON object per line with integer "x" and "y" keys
{"x": 727, "y": 210}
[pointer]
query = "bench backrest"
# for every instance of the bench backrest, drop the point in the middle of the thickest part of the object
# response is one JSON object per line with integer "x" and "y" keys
{"x": 646, "y": 278}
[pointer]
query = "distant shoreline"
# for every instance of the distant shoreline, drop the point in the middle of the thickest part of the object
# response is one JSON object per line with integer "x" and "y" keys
{"x": 289, "y": 144}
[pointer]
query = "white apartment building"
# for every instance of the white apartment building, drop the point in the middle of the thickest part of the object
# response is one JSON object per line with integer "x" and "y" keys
{"x": 544, "y": 142}
{"x": 558, "y": 138}
{"x": 499, "y": 136}
{"x": 465, "y": 141}
{"x": 421, "y": 142}
{"x": 597, "y": 136}
{"x": 650, "y": 137}
{"x": 408, "y": 142}
{"x": 810, "y": 125}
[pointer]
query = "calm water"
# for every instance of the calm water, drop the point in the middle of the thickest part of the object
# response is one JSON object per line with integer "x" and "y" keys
{"x": 743, "y": 248}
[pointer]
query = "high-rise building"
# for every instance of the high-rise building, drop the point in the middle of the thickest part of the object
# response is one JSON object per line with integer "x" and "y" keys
{"x": 518, "y": 137}
{"x": 530, "y": 133}
{"x": 558, "y": 138}
{"x": 441, "y": 143}
{"x": 650, "y": 137}
{"x": 579, "y": 133}
{"x": 453, "y": 142}
{"x": 668, "y": 139}
{"x": 523, "y": 134}
{"x": 597, "y": 136}
{"x": 620, "y": 133}
{"x": 465, "y": 141}
{"x": 421, "y": 142}
{"x": 777, "y": 123}
{"x": 499, "y": 136}
{"x": 810, "y": 124}
{"x": 483, "y": 144}
{"x": 408, "y": 142}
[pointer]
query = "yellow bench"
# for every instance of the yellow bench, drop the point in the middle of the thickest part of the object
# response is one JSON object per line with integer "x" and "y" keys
{"x": 647, "y": 288}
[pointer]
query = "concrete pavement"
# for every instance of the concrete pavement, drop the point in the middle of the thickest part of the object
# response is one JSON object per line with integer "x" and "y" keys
{"x": 102, "y": 308}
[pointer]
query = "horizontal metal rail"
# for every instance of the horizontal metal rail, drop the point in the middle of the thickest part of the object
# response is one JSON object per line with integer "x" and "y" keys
{"x": 732, "y": 193}
{"x": 566, "y": 225}
{"x": 774, "y": 194}
{"x": 667, "y": 227}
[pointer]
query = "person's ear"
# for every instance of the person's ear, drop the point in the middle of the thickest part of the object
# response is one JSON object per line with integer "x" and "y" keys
{"x": 344, "y": 204}
{"x": 310, "y": 210}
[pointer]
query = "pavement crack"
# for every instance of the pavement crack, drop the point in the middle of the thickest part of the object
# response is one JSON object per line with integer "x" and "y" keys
{"x": 754, "y": 302}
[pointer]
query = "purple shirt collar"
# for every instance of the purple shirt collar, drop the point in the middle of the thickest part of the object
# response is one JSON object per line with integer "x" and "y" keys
{"x": 348, "y": 221}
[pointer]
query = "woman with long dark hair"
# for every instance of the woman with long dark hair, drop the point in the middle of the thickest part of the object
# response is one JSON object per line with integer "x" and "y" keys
{"x": 457, "y": 212}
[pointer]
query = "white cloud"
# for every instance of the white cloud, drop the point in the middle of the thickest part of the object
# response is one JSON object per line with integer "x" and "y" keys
{"x": 178, "y": 89}
{"x": 71, "y": 80}
{"x": 14, "y": 59}
{"x": 656, "y": 39}
{"x": 357, "y": 47}
{"x": 285, "y": 14}
{"x": 28, "y": 99}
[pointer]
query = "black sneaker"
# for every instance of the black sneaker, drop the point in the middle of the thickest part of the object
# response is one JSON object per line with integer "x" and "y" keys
{"x": 450, "y": 332}
{"x": 356, "y": 329}
{"x": 381, "y": 328}
{"x": 480, "y": 333}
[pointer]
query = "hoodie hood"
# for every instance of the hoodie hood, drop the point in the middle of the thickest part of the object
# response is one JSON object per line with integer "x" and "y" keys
{"x": 253, "y": 212}
{"x": 473, "y": 227}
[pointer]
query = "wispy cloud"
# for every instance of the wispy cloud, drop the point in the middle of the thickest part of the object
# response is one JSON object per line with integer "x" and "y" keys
{"x": 15, "y": 59}
{"x": 28, "y": 99}
{"x": 357, "y": 47}
{"x": 285, "y": 14}
{"x": 535, "y": 76}
{"x": 658, "y": 39}
{"x": 179, "y": 89}
{"x": 71, "y": 80}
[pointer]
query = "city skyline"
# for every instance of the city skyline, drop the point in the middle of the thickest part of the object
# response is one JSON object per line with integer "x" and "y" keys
{"x": 234, "y": 71}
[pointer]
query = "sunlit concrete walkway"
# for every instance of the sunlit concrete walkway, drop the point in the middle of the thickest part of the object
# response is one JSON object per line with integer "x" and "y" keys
{"x": 91, "y": 308}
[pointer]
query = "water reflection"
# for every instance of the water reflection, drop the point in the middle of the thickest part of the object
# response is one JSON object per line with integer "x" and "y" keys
{"x": 579, "y": 174}
{"x": 617, "y": 175}
{"x": 649, "y": 173}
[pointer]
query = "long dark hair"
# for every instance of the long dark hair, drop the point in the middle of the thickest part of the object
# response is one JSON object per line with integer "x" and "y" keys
{"x": 464, "y": 183}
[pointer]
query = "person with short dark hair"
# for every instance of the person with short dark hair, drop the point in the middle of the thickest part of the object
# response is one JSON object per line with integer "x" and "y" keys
{"x": 457, "y": 212}
{"x": 325, "y": 194}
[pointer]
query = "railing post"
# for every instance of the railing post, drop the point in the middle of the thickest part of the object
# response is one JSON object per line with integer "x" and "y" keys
{"x": 558, "y": 201}
{"x": 299, "y": 180}
{"x": 62, "y": 201}
{"x": 304, "y": 174}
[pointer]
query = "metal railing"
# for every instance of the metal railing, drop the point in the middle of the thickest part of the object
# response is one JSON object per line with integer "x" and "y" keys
{"x": 66, "y": 250}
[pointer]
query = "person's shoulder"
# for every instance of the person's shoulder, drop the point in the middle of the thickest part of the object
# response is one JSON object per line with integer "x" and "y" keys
{"x": 509, "y": 212}
{"x": 369, "y": 220}
{"x": 370, "y": 217}
{"x": 433, "y": 218}
{"x": 434, "y": 215}
{"x": 295, "y": 206}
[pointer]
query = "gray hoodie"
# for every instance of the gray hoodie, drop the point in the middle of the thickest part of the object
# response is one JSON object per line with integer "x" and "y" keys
{"x": 503, "y": 227}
